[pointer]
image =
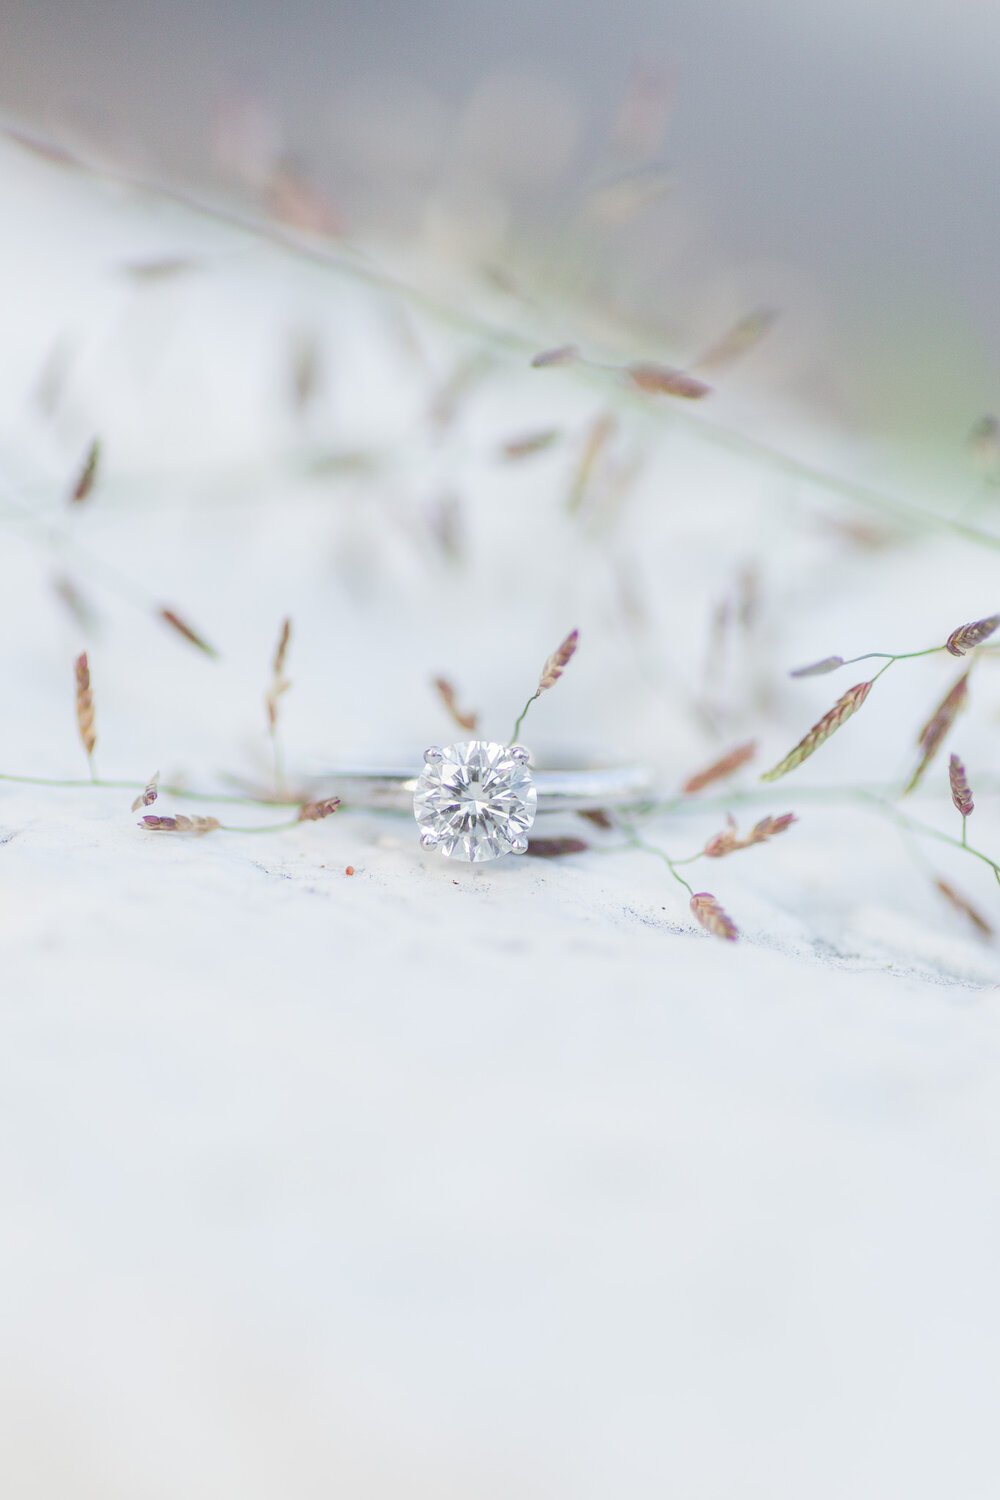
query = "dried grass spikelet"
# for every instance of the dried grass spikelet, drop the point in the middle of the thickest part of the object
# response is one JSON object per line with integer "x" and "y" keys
{"x": 180, "y": 823}
{"x": 565, "y": 354}
{"x": 662, "y": 380}
{"x": 171, "y": 618}
{"x": 961, "y": 794}
{"x": 821, "y": 731}
{"x": 743, "y": 336}
{"x": 314, "y": 812}
{"x": 729, "y": 840}
{"x": 556, "y": 664}
{"x": 528, "y": 444}
{"x": 85, "y": 705}
{"x": 147, "y": 797}
{"x": 599, "y": 434}
{"x": 555, "y": 848}
{"x": 965, "y": 907}
{"x": 868, "y": 536}
{"x": 551, "y": 672}
{"x": 79, "y": 608}
{"x": 281, "y": 650}
{"x": 770, "y": 827}
{"x": 87, "y": 477}
{"x": 446, "y": 692}
{"x": 966, "y": 636}
{"x": 711, "y": 916}
{"x": 279, "y": 682}
{"x": 720, "y": 769}
{"x": 723, "y": 843}
{"x": 819, "y": 668}
{"x": 934, "y": 732}
{"x": 160, "y": 267}
{"x": 306, "y": 370}
{"x": 597, "y": 816}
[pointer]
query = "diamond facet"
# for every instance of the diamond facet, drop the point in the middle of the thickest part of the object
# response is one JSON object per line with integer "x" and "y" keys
{"x": 477, "y": 801}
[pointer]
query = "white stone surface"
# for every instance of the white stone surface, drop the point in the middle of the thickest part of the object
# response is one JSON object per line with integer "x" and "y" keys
{"x": 436, "y": 1180}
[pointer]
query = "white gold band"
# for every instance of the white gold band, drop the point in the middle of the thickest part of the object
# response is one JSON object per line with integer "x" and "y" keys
{"x": 579, "y": 790}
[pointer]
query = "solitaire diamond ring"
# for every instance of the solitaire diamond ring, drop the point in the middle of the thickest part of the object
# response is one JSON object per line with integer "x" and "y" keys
{"x": 475, "y": 800}
{"x": 478, "y": 799}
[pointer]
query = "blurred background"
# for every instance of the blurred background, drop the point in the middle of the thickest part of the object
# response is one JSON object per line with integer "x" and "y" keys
{"x": 834, "y": 160}
{"x": 327, "y": 1167}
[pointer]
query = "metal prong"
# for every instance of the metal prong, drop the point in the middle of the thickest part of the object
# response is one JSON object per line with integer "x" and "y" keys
{"x": 520, "y": 844}
{"x": 434, "y": 756}
{"x": 520, "y": 754}
{"x": 429, "y": 840}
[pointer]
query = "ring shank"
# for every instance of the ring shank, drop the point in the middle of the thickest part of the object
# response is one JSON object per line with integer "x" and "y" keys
{"x": 577, "y": 790}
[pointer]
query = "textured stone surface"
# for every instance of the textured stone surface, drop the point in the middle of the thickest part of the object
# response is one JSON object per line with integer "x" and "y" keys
{"x": 441, "y": 1180}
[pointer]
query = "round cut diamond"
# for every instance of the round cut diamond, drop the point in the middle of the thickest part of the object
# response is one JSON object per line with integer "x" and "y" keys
{"x": 475, "y": 800}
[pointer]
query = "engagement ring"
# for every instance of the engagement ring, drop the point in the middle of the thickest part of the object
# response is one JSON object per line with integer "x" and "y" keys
{"x": 478, "y": 799}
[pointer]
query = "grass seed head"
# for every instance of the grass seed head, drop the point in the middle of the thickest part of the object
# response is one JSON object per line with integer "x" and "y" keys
{"x": 85, "y": 704}
{"x": 966, "y": 636}
{"x": 306, "y": 370}
{"x": 180, "y": 823}
{"x": 960, "y": 792}
{"x": 598, "y": 435}
{"x": 565, "y": 354}
{"x": 711, "y": 916}
{"x": 819, "y": 668}
{"x": 87, "y": 477}
{"x": 661, "y": 380}
{"x": 147, "y": 797}
{"x": 529, "y": 444}
{"x": 558, "y": 661}
{"x": 729, "y": 840}
{"x": 739, "y": 340}
{"x": 935, "y": 731}
{"x": 821, "y": 731}
{"x": 281, "y": 650}
{"x": 555, "y": 848}
{"x": 446, "y": 692}
{"x": 313, "y": 812}
{"x": 279, "y": 683}
{"x": 597, "y": 816}
{"x": 720, "y": 769}
{"x": 82, "y": 614}
{"x": 171, "y": 618}
{"x": 769, "y": 828}
{"x": 965, "y": 907}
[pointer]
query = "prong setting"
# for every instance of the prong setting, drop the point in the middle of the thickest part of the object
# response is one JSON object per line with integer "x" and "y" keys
{"x": 475, "y": 800}
{"x": 520, "y": 754}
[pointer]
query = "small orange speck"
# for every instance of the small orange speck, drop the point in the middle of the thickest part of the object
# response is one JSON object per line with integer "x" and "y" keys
{"x": 349, "y": 870}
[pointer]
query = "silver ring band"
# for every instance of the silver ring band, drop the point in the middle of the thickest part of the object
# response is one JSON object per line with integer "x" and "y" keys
{"x": 584, "y": 790}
